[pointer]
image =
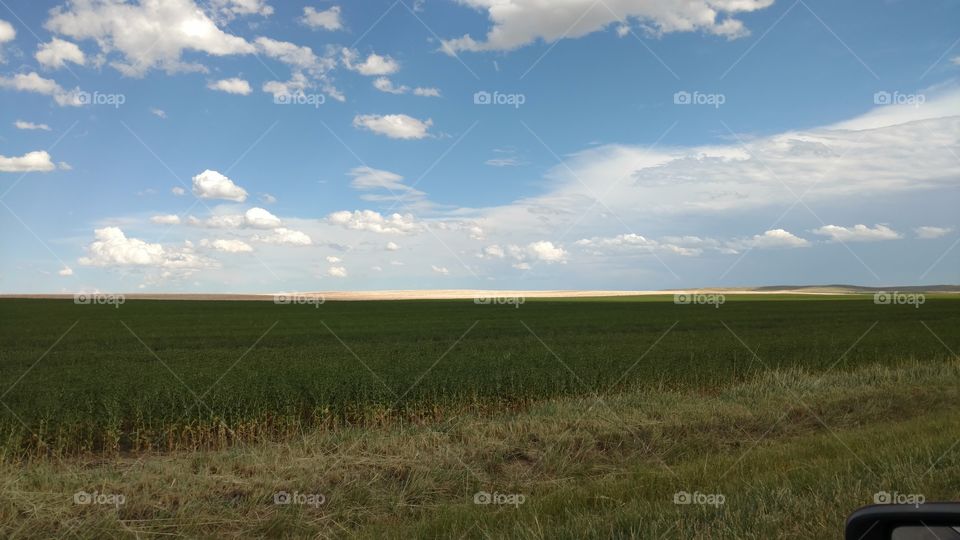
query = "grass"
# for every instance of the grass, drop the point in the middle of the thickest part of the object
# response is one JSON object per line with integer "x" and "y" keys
{"x": 164, "y": 375}
{"x": 398, "y": 413}
{"x": 787, "y": 467}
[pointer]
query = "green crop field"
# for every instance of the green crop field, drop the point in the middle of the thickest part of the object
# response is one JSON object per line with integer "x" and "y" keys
{"x": 554, "y": 399}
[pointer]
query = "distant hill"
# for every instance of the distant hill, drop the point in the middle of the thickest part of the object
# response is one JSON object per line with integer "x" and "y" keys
{"x": 852, "y": 289}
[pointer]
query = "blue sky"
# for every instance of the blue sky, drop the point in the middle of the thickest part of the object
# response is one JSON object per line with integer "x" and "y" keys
{"x": 259, "y": 146}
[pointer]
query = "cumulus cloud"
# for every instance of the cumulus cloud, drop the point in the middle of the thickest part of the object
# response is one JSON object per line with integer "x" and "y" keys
{"x": 57, "y": 52}
{"x": 212, "y": 185}
{"x": 395, "y": 126}
{"x": 66, "y": 271}
{"x": 369, "y": 220}
{"x": 178, "y": 191}
{"x": 166, "y": 219}
{"x": 22, "y": 124}
{"x": 328, "y": 19}
{"x": 857, "y": 233}
{"x": 392, "y": 246}
{"x": 159, "y": 113}
{"x": 7, "y": 34}
{"x": 372, "y": 66}
{"x": 282, "y": 235}
{"x": 233, "y": 8}
{"x": 32, "y": 82}
{"x": 228, "y": 245}
{"x": 112, "y": 248}
{"x": 520, "y": 22}
{"x": 333, "y": 259}
{"x": 149, "y": 34}
{"x": 544, "y": 250}
{"x": 233, "y": 85}
{"x": 776, "y": 238}
{"x": 929, "y": 233}
{"x": 337, "y": 272}
{"x": 426, "y": 92}
{"x": 259, "y": 218}
{"x": 36, "y": 161}
{"x": 442, "y": 270}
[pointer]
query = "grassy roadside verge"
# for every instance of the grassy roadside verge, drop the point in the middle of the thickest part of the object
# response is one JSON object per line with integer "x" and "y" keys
{"x": 790, "y": 451}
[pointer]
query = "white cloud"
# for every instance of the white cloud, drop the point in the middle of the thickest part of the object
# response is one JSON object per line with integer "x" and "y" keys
{"x": 150, "y": 34}
{"x": 219, "y": 221}
{"x": 857, "y": 233}
{"x": 297, "y": 84}
{"x": 233, "y": 8}
{"x": 213, "y": 185}
{"x": 384, "y": 84}
{"x": 259, "y": 218}
{"x": 956, "y": 60}
{"x": 228, "y": 245}
{"x": 267, "y": 198}
{"x": 332, "y": 259}
{"x": 776, "y": 238}
{"x": 22, "y": 124}
{"x": 440, "y": 269}
{"x": 544, "y": 250}
{"x": 373, "y": 65}
{"x": 395, "y": 126}
{"x": 57, "y": 52}
{"x": 392, "y": 246}
{"x": 493, "y": 251}
{"x": 178, "y": 191}
{"x": 7, "y": 32}
{"x": 159, "y": 113}
{"x": 369, "y": 220}
{"x": 426, "y": 92}
{"x": 328, "y": 19}
{"x": 112, "y": 248}
{"x": 282, "y": 235}
{"x": 233, "y": 85}
{"x": 929, "y": 233}
{"x": 166, "y": 219}
{"x": 36, "y": 161}
{"x": 32, "y": 82}
{"x": 370, "y": 179}
{"x": 520, "y": 22}
{"x": 337, "y": 272}
{"x": 66, "y": 271}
